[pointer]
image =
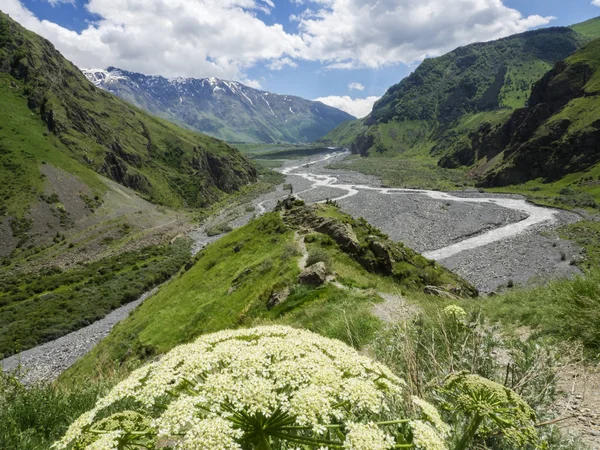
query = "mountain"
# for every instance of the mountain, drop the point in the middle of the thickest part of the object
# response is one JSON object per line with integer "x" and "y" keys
{"x": 225, "y": 109}
{"x": 62, "y": 141}
{"x": 558, "y": 133}
{"x": 434, "y": 109}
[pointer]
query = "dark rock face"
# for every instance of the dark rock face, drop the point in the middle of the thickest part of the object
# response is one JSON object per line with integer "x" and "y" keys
{"x": 341, "y": 233}
{"x": 314, "y": 275}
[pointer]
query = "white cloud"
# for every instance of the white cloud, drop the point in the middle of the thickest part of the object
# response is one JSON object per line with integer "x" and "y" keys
{"x": 358, "y": 107}
{"x": 196, "y": 38}
{"x": 596, "y": 2}
{"x": 356, "y": 86}
{"x": 279, "y": 64}
{"x": 373, "y": 33}
{"x": 57, "y": 2}
{"x": 224, "y": 38}
{"x": 252, "y": 83}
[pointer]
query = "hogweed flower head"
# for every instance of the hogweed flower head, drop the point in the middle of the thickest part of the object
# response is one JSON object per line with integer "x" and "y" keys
{"x": 253, "y": 387}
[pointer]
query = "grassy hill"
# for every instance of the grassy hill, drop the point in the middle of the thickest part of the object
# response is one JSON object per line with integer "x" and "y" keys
{"x": 556, "y": 135}
{"x": 98, "y": 132}
{"x": 251, "y": 277}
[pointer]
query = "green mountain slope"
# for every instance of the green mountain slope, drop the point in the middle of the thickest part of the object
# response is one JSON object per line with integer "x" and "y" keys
{"x": 556, "y": 135}
{"x": 164, "y": 163}
{"x": 250, "y": 277}
{"x": 445, "y": 98}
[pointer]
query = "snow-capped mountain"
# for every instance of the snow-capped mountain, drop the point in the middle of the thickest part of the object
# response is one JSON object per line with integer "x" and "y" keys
{"x": 225, "y": 109}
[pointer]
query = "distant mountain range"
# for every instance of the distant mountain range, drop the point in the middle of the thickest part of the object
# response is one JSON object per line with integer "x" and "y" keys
{"x": 224, "y": 109}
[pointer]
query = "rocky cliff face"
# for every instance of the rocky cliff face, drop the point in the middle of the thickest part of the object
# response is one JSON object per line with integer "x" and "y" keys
{"x": 556, "y": 134}
{"x": 225, "y": 109}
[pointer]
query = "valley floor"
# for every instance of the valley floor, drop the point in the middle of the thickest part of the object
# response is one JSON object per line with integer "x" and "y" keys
{"x": 430, "y": 222}
{"x": 491, "y": 240}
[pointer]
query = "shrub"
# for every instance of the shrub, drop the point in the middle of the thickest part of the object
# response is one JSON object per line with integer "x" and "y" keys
{"x": 316, "y": 255}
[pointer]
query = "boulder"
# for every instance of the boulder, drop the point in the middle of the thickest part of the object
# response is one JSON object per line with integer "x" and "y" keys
{"x": 340, "y": 232}
{"x": 314, "y": 275}
{"x": 278, "y": 297}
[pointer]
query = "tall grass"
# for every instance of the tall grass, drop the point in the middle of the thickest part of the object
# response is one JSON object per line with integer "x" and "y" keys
{"x": 564, "y": 309}
{"x": 33, "y": 417}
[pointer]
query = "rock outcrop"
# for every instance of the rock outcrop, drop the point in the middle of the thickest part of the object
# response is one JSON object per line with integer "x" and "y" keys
{"x": 314, "y": 275}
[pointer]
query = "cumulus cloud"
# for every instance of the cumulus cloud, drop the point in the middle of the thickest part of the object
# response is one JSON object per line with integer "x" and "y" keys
{"x": 197, "y": 38}
{"x": 356, "y": 86}
{"x": 57, "y": 2}
{"x": 281, "y": 63}
{"x": 358, "y": 107}
{"x": 374, "y": 33}
{"x": 224, "y": 38}
{"x": 596, "y": 2}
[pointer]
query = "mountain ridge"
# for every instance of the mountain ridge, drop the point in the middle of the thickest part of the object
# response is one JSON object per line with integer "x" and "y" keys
{"x": 433, "y": 110}
{"x": 60, "y": 136}
{"x": 227, "y": 110}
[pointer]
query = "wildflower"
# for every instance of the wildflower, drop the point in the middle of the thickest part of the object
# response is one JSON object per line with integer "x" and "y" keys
{"x": 367, "y": 437}
{"x": 455, "y": 312}
{"x": 431, "y": 415}
{"x": 232, "y": 388}
{"x": 425, "y": 437}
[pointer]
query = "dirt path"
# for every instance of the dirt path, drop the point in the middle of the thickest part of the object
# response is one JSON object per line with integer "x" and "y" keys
{"x": 581, "y": 386}
{"x": 303, "y": 251}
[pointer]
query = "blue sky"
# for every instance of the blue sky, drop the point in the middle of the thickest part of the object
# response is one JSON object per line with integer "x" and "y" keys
{"x": 346, "y": 52}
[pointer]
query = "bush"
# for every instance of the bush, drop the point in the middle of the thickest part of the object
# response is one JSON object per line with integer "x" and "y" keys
{"x": 316, "y": 255}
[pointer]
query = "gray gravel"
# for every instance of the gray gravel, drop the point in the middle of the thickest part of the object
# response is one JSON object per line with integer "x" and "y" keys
{"x": 48, "y": 361}
{"x": 426, "y": 224}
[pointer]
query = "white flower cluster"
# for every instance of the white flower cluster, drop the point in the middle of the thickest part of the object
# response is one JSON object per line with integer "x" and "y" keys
{"x": 432, "y": 415}
{"x": 455, "y": 312}
{"x": 425, "y": 436}
{"x": 216, "y": 385}
{"x": 367, "y": 437}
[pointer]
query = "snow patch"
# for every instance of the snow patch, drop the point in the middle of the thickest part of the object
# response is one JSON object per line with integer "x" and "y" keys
{"x": 268, "y": 104}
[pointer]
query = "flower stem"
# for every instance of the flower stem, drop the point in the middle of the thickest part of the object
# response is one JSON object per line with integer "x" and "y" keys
{"x": 469, "y": 433}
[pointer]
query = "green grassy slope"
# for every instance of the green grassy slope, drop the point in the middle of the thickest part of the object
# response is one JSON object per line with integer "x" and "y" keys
{"x": 233, "y": 280}
{"x": 166, "y": 164}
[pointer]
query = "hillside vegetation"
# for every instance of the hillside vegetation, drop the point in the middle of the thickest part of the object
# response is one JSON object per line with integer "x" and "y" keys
{"x": 556, "y": 135}
{"x": 430, "y": 109}
{"x": 250, "y": 277}
{"x": 164, "y": 163}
